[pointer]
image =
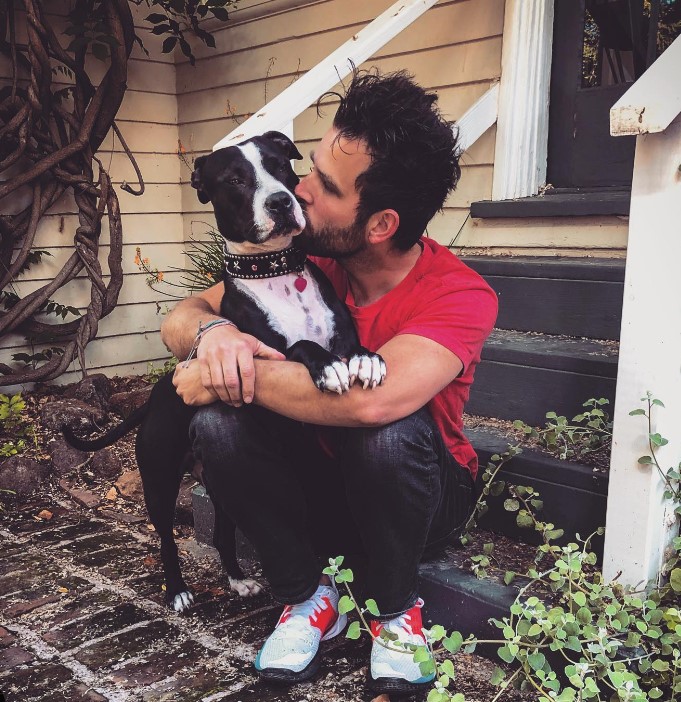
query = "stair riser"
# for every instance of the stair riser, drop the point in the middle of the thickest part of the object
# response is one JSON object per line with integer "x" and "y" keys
{"x": 509, "y": 391}
{"x": 574, "y": 496}
{"x": 572, "y": 307}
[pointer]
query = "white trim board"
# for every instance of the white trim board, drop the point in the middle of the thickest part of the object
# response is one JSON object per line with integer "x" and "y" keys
{"x": 523, "y": 123}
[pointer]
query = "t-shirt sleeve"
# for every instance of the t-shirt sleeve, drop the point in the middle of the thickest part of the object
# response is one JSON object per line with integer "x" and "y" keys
{"x": 460, "y": 319}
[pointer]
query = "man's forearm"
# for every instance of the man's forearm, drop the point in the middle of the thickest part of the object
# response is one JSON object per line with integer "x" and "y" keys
{"x": 179, "y": 328}
{"x": 286, "y": 388}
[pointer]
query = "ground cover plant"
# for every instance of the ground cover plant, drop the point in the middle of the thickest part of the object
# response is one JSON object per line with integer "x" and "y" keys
{"x": 584, "y": 638}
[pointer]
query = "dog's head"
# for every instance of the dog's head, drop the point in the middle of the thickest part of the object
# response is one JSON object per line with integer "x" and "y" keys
{"x": 251, "y": 188}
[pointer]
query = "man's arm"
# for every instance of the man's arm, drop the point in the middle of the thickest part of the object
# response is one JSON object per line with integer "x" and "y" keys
{"x": 225, "y": 355}
{"x": 418, "y": 368}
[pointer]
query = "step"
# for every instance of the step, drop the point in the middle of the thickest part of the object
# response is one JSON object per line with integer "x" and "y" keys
{"x": 574, "y": 495}
{"x": 456, "y": 599}
{"x": 572, "y": 296}
{"x": 524, "y": 375}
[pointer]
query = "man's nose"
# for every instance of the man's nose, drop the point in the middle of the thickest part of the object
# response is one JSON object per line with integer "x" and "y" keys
{"x": 301, "y": 191}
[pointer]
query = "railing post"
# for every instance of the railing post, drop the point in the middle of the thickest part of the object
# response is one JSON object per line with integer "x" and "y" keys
{"x": 640, "y": 522}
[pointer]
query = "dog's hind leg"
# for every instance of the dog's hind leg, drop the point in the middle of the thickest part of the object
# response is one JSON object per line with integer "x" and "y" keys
{"x": 162, "y": 443}
{"x": 225, "y": 542}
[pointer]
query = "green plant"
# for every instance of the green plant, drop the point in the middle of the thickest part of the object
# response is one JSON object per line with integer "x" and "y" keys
{"x": 13, "y": 424}
{"x": 207, "y": 262}
{"x": 570, "y": 636}
{"x": 589, "y": 431}
{"x": 153, "y": 374}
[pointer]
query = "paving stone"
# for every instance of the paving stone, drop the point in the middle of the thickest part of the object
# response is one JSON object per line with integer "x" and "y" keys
{"x": 7, "y": 638}
{"x": 27, "y": 572}
{"x": 69, "y": 531}
{"x": 96, "y": 542}
{"x": 107, "y": 621}
{"x": 21, "y": 608}
{"x": 79, "y": 606}
{"x": 13, "y": 656}
{"x": 74, "y": 692}
{"x": 251, "y": 629}
{"x": 115, "y": 563}
{"x": 129, "y": 644}
{"x": 161, "y": 664}
{"x": 210, "y": 609}
{"x": 21, "y": 521}
{"x": 33, "y": 683}
{"x": 200, "y": 684}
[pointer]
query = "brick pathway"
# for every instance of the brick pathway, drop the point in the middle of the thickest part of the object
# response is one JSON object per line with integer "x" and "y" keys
{"x": 82, "y": 619}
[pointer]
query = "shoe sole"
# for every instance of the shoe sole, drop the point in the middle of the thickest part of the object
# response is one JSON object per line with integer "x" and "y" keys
{"x": 395, "y": 686}
{"x": 291, "y": 677}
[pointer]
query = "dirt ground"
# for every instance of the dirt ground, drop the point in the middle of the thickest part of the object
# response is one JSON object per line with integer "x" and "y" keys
{"x": 82, "y": 613}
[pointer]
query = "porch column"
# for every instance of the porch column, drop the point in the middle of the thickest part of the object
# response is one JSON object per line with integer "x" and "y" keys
{"x": 640, "y": 522}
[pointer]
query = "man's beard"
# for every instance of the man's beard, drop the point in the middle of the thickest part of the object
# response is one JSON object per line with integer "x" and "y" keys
{"x": 332, "y": 242}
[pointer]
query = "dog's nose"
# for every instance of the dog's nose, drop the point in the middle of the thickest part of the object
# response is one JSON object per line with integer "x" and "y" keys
{"x": 279, "y": 202}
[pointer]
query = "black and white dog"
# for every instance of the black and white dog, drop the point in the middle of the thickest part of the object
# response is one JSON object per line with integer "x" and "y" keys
{"x": 271, "y": 292}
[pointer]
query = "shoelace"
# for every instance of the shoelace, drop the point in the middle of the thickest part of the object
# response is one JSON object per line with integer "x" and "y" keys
{"x": 299, "y": 615}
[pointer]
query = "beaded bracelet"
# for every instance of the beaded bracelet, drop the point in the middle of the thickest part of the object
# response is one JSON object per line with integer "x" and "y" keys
{"x": 202, "y": 330}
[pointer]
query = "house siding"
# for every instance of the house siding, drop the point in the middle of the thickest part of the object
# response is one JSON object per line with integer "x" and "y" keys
{"x": 128, "y": 339}
{"x": 453, "y": 49}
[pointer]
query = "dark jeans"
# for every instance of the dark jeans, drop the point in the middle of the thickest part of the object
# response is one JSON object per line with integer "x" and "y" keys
{"x": 388, "y": 492}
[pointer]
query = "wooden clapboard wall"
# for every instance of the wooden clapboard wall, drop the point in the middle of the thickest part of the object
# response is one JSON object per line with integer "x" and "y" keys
{"x": 454, "y": 48}
{"x": 129, "y": 337}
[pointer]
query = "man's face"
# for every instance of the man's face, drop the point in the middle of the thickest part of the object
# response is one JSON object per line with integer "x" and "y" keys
{"x": 330, "y": 200}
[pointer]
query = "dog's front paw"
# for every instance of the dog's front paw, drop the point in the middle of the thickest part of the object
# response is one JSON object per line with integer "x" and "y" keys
{"x": 182, "y": 601}
{"x": 246, "y": 587}
{"x": 367, "y": 368}
{"x": 333, "y": 377}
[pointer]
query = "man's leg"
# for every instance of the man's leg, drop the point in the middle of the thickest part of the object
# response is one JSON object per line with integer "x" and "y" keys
{"x": 253, "y": 463}
{"x": 245, "y": 453}
{"x": 405, "y": 492}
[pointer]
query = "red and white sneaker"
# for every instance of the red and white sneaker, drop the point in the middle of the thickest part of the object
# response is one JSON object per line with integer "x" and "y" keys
{"x": 395, "y": 671}
{"x": 291, "y": 653}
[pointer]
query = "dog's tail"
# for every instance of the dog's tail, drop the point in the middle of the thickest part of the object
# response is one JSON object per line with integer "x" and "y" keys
{"x": 106, "y": 439}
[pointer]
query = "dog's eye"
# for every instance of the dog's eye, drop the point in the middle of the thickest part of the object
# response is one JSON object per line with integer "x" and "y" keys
{"x": 235, "y": 181}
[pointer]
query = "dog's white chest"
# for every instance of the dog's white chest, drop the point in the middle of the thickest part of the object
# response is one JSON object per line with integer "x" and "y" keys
{"x": 294, "y": 314}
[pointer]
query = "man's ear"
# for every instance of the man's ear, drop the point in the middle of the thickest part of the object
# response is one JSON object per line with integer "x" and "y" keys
{"x": 282, "y": 141}
{"x": 382, "y": 226}
{"x": 197, "y": 181}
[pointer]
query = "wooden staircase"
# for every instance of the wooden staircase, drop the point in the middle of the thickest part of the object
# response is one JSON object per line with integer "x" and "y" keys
{"x": 554, "y": 348}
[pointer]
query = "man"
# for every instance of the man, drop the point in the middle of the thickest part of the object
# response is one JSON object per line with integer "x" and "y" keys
{"x": 399, "y": 476}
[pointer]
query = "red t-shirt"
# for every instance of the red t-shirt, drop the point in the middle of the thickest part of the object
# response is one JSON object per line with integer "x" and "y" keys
{"x": 441, "y": 299}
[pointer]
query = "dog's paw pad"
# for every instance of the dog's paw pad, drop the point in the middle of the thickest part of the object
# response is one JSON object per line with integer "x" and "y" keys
{"x": 334, "y": 378}
{"x": 182, "y": 601}
{"x": 246, "y": 587}
{"x": 367, "y": 368}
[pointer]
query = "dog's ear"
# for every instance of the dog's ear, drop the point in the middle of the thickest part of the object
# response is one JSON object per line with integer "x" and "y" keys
{"x": 285, "y": 143}
{"x": 196, "y": 179}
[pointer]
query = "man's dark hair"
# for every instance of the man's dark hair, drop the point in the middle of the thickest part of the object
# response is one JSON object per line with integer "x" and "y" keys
{"x": 414, "y": 156}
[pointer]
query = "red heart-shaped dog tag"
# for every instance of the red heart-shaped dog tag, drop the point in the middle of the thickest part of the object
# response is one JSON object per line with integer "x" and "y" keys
{"x": 300, "y": 283}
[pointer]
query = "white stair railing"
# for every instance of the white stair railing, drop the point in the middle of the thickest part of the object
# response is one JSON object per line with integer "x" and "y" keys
{"x": 640, "y": 521}
{"x": 279, "y": 113}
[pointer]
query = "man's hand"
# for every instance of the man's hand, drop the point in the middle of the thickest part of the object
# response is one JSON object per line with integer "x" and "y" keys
{"x": 225, "y": 359}
{"x": 187, "y": 382}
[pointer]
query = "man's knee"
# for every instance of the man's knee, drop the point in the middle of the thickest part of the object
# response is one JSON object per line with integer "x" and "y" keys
{"x": 217, "y": 429}
{"x": 410, "y": 439}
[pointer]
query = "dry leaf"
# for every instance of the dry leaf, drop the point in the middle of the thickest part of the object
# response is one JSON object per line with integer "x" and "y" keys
{"x": 112, "y": 494}
{"x": 381, "y": 698}
{"x": 151, "y": 527}
{"x": 62, "y": 589}
{"x": 45, "y": 514}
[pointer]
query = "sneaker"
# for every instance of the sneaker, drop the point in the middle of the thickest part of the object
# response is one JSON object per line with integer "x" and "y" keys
{"x": 393, "y": 671}
{"x": 291, "y": 653}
